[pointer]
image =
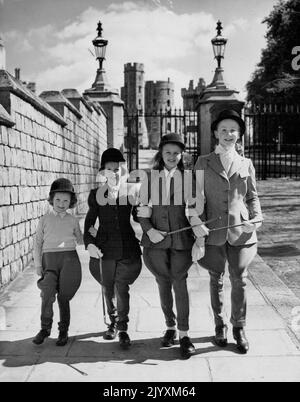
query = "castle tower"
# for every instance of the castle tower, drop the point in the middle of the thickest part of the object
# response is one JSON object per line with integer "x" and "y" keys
{"x": 2, "y": 55}
{"x": 159, "y": 98}
{"x": 191, "y": 96}
{"x": 133, "y": 96}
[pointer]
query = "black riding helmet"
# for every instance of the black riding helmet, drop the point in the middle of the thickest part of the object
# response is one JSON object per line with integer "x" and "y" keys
{"x": 62, "y": 185}
{"x": 172, "y": 139}
{"x": 229, "y": 114}
{"x": 111, "y": 155}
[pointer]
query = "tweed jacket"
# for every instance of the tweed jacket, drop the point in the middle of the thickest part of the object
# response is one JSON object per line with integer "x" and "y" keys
{"x": 115, "y": 235}
{"x": 231, "y": 196}
{"x": 171, "y": 215}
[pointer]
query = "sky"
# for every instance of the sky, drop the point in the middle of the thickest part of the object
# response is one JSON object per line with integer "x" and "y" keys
{"x": 51, "y": 40}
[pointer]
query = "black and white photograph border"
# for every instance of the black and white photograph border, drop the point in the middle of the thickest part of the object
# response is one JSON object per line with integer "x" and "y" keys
{"x": 100, "y": 93}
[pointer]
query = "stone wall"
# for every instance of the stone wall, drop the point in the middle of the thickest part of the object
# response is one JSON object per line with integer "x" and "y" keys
{"x": 41, "y": 139}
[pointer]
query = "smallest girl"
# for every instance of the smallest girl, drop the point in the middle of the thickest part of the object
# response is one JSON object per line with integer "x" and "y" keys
{"x": 56, "y": 259}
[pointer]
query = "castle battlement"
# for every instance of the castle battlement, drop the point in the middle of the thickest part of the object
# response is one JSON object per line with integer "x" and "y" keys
{"x": 134, "y": 67}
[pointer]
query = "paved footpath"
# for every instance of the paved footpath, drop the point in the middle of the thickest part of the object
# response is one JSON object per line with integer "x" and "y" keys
{"x": 279, "y": 237}
{"x": 274, "y": 354}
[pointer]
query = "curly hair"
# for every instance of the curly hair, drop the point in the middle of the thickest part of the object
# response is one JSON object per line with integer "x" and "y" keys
{"x": 73, "y": 201}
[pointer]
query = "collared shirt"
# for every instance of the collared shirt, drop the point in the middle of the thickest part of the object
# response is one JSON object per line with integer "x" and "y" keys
{"x": 227, "y": 156}
{"x": 61, "y": 214}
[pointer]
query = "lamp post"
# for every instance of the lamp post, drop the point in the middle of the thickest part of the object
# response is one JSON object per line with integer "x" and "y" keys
{"x": 100, "y": 45}
{"x": 219, "y": 44}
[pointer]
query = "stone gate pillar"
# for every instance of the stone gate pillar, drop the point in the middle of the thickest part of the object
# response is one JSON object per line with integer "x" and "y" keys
{"x": 216, "y": 97}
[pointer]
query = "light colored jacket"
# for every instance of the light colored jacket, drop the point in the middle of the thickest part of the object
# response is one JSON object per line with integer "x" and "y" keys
{"x": 233, "y": 197}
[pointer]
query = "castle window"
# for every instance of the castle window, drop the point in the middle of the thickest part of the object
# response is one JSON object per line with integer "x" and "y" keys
{"x": 140, "y": 89}
{"x": 154, "y": 102}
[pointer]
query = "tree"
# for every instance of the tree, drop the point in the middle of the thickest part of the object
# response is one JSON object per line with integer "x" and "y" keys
{"x": 274, "y": 78}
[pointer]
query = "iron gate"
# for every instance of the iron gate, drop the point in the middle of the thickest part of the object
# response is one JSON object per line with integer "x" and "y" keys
{"x": 157, "y": 124}
{"x": 132, "y": 142}
{"x": 272, "y": 139}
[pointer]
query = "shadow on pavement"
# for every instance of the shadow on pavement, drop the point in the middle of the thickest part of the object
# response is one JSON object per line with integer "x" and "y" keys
{"x": 81, "y": 349}
{"x": 279, "y": 251}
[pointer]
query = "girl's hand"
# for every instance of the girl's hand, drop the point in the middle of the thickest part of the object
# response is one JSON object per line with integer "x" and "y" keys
{"x": 144, "y": 212}
{"x": 93, "y": 231}
{"x": 39, "y": 270}
{"x": 248, "y": 227}
{"x": 200, "y": 231}
{"x": 94, "y": 251}
{"x": 156, "y": 236}
{"x": 198, "y": 251}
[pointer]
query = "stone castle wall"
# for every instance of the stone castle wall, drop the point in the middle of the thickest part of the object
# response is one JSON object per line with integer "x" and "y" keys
{"x": 41, "y": 139}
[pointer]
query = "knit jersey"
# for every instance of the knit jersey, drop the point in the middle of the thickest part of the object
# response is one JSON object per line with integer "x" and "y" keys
{"x": 56, "y": 233}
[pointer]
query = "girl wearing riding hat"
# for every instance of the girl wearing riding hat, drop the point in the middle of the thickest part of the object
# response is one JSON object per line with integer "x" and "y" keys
{"x": 115, "y": 242}
{"x": 230, "y": 192}
{"x": 168, "y": 257}
{"x": 56, "y": 259}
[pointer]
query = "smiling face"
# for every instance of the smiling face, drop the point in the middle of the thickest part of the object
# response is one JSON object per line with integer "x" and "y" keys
{"x": 171, "y": 154}
{"x": 228, "y": 132}
{"x": 61, "y": 202}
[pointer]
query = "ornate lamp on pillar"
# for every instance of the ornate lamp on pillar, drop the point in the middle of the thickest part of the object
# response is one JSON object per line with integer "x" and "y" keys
{"x": 100, "y": 45}
{"x": 219, "y": 44}
{"x": 108, "y": 97}
{"x": 216, "y": 96}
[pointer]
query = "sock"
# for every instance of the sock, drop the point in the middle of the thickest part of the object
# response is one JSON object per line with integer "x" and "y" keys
{"x": 171, "y": 328}
{"x": 182, "y": 334}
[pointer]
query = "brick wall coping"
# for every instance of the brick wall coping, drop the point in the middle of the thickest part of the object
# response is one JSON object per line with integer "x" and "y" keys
{"x": 56, "y": 98}
{"x": 75, "y": 98}
{"x": 11, "y": 85}
{"x": 5, "y": 119}
{"x": 97, "y": 107}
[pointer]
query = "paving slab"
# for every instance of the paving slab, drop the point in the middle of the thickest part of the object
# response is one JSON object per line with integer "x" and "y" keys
{"x": 16, "y": 369}
{"x": 255, "y": 369}
{"x": 93, "y": 370}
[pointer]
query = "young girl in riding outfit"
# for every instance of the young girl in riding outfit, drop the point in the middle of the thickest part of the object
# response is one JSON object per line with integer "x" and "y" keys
{"x": 230, "y": 192}
{"x": 115, "y": 242}
{"x": 169, "y": 257}
{"x": 56, "y": 259}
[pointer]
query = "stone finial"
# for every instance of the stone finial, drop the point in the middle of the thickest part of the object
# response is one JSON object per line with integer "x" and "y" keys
{"x": 219, "y": 28}
{"x": 99, "y": 29}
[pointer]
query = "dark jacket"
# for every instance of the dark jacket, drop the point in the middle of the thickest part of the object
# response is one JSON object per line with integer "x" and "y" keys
{"x": 168, "y": 217}
{"x": 115, "y": 236}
